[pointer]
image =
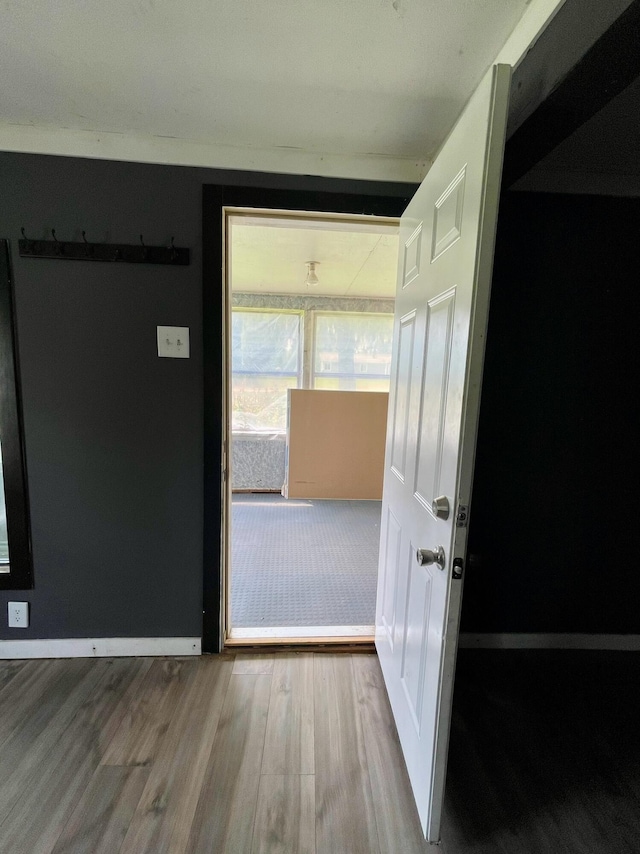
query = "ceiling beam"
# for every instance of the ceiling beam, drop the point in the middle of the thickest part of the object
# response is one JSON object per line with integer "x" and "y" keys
{"x": 606, "y": 69}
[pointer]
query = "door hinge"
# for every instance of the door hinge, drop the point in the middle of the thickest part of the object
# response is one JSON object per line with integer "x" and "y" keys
{"x": 462, "y": 516}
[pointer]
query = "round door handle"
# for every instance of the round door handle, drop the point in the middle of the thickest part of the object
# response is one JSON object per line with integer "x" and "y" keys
{"x": 425, "y": 557}
{"x": 440, "y": 507}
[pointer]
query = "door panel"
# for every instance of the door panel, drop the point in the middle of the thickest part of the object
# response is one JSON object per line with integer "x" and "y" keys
{"x": 447, "y": 216}
{"x": 414, "y": 649}
{"x": 403, "y": 376}
{"x": 444, "y": 275}
{"x": 434, "y": 397}
{"x": 412, "y": 256}
{"x": 391, "y": 561}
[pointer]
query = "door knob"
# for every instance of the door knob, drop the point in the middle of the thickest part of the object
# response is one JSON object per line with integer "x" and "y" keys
{"x": 429, "y": 556}
{"x": 440, "y": 507}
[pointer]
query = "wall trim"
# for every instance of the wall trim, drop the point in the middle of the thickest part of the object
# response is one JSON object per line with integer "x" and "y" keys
{"x": 145, "y": 148}
{"x": 98, "y": 647}
{"x": 560, "y": 640}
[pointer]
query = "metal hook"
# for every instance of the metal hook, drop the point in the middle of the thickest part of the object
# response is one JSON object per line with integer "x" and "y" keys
{"x": 59, "y": 246}
{"x": 144, "y": 249}
{"x": 141, "y": 240}
{"x": 29, "y": 243}
{"x": 89, "y": 249}
{"x": 174, "y": 251}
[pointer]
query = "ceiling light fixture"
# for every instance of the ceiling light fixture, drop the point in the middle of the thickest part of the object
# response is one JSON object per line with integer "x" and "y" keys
{"x": 312, "y": 280}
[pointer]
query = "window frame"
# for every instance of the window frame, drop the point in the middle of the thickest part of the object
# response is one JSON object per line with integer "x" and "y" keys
{"x": 20, "y": 574}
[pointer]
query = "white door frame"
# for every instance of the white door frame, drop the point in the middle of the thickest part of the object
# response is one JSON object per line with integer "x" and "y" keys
{"x": 306, "y": 635}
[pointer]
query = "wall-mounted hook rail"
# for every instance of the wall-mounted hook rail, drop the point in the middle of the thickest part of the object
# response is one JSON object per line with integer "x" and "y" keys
{"x": 86, "y": 251}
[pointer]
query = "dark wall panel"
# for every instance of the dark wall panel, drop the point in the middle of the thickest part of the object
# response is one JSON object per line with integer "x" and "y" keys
{"x": 114, "y": 437}
{"x": 113, "y": 433}
{"x": 554, "y": 524}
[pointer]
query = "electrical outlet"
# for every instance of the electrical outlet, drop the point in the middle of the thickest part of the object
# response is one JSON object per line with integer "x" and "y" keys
{"x": 18, "y": 615}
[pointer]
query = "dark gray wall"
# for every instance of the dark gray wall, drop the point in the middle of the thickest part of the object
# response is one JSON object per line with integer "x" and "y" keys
{"x": 554, "y": 519}
{"x": 113, "y": 433}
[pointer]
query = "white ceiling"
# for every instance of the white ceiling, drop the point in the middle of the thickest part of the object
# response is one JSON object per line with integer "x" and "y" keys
{"x": 269, "y": 255}
{"x": 363, "y": 78}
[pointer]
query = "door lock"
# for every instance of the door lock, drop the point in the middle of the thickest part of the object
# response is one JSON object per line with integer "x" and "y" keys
{"x": 425, "y": 557}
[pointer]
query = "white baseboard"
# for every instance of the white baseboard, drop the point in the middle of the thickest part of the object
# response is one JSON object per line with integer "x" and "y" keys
{"x": 560, "y": 640}
{"x": 99, "y": 647}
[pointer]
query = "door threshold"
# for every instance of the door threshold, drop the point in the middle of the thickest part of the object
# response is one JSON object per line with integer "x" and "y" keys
{"x": 301, "y": 635}
{"x": 301, "y": 632}
{"x": 334, "y": 645}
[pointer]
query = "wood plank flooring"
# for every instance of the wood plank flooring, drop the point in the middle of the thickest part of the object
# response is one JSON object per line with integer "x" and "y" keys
{"x": 544, "y": 753}
{"x": 261, "y": 754}
{"x": 297, "y": 753}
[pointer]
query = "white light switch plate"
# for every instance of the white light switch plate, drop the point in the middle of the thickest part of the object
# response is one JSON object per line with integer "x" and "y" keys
{"x": 18, "y": 613}
{"x": 173, "y": 342}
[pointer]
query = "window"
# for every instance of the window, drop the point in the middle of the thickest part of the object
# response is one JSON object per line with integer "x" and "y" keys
{"x": 348, "y": 346}
{"x": 15, "y": 551}
{"x": 266, "y": 361}
{"x": 352, "y": 351}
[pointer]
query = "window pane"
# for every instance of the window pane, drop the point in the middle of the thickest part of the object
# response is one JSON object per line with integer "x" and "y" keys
{"x": 265, "y": 342}
{"x": 260, "y": 402}
{"x": 265, "y": 363}
{"x": 352, "y": 352}
{"x": 4, "y": 541}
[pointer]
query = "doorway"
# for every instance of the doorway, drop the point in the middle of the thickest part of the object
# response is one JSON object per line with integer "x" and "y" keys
{"x": 309, "y": 323}
{"x": 262, "y": 192}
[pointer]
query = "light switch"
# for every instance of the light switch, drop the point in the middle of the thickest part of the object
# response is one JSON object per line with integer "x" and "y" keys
{"x": 173, "y": 342}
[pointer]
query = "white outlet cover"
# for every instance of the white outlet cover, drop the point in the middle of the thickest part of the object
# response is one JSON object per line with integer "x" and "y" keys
{"x": 173, "y": 342}
{"x": 18, "y": 614}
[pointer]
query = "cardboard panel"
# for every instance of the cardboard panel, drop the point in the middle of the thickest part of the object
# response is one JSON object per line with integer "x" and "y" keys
{"x": 336, "y": 444}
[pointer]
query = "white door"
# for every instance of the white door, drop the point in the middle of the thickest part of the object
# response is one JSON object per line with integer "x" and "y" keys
{"x": 444, "y": 277}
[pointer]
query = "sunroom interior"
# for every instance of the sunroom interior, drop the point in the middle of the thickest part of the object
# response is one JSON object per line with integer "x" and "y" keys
{"x": 310, "y": 335}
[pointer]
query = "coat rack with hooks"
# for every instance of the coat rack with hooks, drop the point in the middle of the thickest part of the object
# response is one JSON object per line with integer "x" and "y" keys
{"x": 138, "y": 253}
